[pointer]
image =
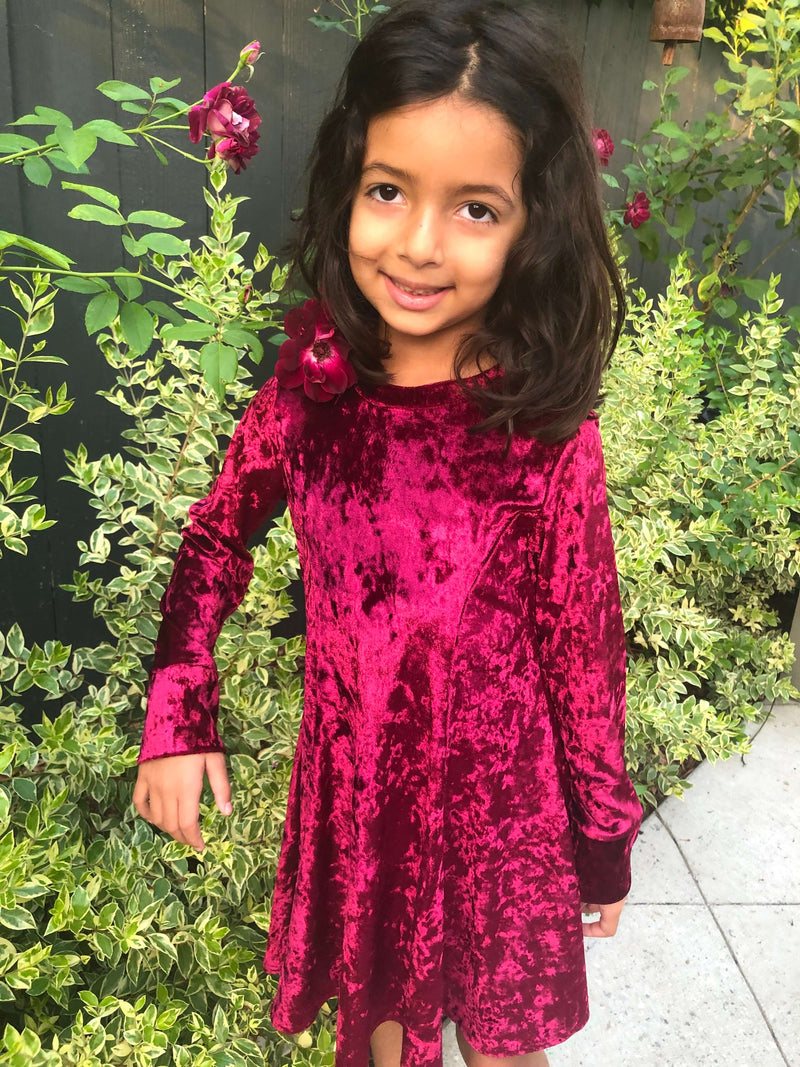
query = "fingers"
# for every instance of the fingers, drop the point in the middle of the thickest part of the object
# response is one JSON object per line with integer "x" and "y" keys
{"x": 606, "y": 925}
{"x": 167, "y": 793}
{"x": 218, "y": 780}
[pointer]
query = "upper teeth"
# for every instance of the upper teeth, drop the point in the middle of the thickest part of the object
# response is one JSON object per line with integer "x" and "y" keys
{"x": 415, "y": 292}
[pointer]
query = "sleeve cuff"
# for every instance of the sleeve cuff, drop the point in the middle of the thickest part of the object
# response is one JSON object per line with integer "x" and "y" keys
{"x": 182, "y": 707}
{"x": 604, "y": 868}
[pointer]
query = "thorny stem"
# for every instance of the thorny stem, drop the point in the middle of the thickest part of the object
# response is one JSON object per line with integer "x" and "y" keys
{"x": 102, "y": 274}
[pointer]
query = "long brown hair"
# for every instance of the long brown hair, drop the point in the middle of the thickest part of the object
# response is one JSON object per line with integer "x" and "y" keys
{"x": 555, "y": 318}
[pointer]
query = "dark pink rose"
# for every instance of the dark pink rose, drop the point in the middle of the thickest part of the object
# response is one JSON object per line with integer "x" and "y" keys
{"x": 229, "y": 114}
{"x": 604, "y": 146}
{"x": 638, "y": 211}
{"x": 315, "y": 354}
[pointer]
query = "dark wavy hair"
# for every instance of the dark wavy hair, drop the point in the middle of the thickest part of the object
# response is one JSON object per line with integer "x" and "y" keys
{"x": 555, "y": 319}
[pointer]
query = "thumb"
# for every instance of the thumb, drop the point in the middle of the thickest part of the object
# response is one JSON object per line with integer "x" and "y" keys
{"x": 218, "y": 780}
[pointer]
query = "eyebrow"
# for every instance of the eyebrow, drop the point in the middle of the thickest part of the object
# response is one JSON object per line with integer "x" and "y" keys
{"x": 470, "y": 190}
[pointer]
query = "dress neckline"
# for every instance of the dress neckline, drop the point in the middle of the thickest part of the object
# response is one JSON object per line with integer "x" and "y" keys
{"x": 430, "y": 394}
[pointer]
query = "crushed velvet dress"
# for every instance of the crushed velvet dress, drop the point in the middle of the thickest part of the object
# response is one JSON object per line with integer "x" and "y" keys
{"x": 459, "y": 784}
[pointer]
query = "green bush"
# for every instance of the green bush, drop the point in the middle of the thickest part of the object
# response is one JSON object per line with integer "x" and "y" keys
{"x": 124, "y": 947}
{"x": 705, "y": 516}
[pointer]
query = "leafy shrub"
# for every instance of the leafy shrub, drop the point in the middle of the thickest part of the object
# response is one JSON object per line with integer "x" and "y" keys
{"x": 705, "y": 516}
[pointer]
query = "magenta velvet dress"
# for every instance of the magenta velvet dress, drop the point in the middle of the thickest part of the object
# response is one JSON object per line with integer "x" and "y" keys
{"x": 459, "y": 784}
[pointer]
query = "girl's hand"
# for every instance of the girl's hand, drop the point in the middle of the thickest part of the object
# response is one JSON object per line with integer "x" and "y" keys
{"x": 606, "y": 926}
{"x": 167, "y": 793}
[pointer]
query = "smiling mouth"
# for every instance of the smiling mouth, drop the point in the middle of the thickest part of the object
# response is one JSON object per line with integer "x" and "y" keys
{"x": 417, "y": 290}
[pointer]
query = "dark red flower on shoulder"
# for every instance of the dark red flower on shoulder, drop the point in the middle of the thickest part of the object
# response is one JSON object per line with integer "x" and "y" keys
{"x": 604, "y": 146}
{"x": 229, "y": 114}
{"x": 638, "y": 211}
{"x": 314, "y": 355}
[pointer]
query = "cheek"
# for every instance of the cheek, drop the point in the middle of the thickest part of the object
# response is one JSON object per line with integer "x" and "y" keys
{"x": 362, "y": 235}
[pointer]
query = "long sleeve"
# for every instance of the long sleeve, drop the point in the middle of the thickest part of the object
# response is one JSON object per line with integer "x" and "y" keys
{"x": 582, "y": 654}
{"x": 212, "y": 571}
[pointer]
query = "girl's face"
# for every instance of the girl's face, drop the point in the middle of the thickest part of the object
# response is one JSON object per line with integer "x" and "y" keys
{"x": 433, "y": 218}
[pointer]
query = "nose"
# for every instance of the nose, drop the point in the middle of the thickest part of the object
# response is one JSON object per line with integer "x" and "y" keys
{"x": 421, "y": 241}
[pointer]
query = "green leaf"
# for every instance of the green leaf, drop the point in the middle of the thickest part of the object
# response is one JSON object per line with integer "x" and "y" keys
{"x": 709, "y": 286}
{"x": 755, "y": 288}
{"x": 158, "y": 307}
{"x": 118, "y": 90}
{"x": 675, "y": 75}
{"x": 218, "y": 363}
{"x": 670, "y": 129}
{"x": 112, "y": 132}
{"x": 189, "y": 331}
{"x": 17, "y": 918}
{"x": 41, "y": 321}
{"x": 135, "y": 109}
{"x": 686, "y": 218}
{"x": 137, "y": 327}
{"x": 132, "y": 247}
{"x": 241, "y": 338}
{"x": 59, "y": 161}
{"x": 165, "y": 243}
{"x": 95, "y": 213}
{"x": 20, "y": 441}
{"x": 95, "y": 192}
{"x": 131, "y": 288}
{"x": 15, "y": 641}
{"x": 77, "y": 145}
{"x": 158, "y": 85}
{"x": 58, "y": 259}
{"x": 791, "y": 201}
{"x": 725, "y": 307}
{"x": 154, "y": 218}
{"x": 44, "y": 116}
{"x": 793, "y": 124}
{"x": 101, "y": 311}
{"x": 24, "y": 788}
{"x": 81, "y": 285}
{"x": 37, "y": 170}
{"x": 721, "y": 86}
{"x": 198, "y": 309}
{"x": 715, "y": 35}
{"x": 15, "y": 142}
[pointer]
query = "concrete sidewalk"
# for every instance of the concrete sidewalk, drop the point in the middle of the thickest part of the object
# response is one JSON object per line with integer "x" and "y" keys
{"x": 704, "y": 970}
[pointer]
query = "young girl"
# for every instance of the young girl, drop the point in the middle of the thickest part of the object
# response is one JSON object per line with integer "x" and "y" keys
{"x": 459, "y": 795}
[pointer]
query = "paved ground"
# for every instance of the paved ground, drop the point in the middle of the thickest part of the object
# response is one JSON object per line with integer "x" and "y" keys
{"x": 704, "y": 970}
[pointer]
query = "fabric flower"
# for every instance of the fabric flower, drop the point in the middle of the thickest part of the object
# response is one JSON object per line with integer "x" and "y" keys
{"x": 229, "y": 114}
{"x": 638, "y": 211}
{"x": 604, "y": 146}
{"x": 315, "y": 354}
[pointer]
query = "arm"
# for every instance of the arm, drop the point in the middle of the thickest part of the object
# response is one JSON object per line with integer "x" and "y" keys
{"x": 212, "y": 571}
{"x": 582, "y": 656}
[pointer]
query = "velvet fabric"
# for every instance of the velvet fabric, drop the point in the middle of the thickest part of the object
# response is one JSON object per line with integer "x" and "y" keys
{"x": 459, "y": 784}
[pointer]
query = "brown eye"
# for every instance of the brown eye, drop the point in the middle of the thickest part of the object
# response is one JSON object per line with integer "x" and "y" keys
{"x": 478, "y": 212}
{"x": 385, "y": 194}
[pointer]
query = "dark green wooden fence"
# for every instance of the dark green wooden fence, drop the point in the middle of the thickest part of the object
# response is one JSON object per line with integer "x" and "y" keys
{"x": 55, "y": 52}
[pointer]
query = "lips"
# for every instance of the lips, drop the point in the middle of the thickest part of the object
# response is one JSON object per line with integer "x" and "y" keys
{"x": 414, "y": 297}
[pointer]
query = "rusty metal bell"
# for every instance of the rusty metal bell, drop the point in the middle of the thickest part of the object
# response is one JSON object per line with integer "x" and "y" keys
{"x": 675, "y": 21}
